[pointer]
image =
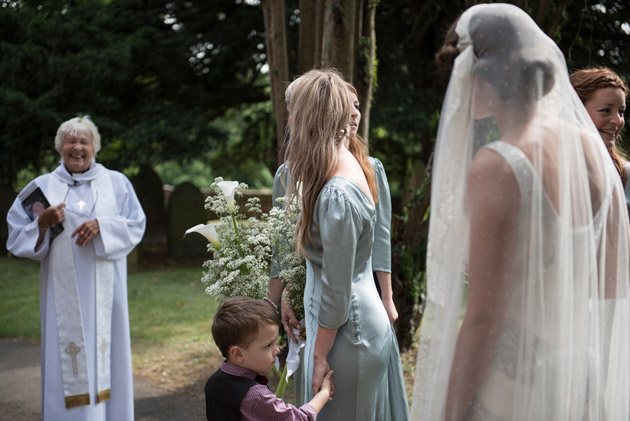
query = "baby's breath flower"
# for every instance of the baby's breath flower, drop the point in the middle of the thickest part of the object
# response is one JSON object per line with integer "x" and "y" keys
{"x": 241, "y": 247}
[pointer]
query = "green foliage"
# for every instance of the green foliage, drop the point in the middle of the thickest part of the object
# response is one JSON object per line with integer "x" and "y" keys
{"x": 597, "y": 34}
{"x": 405, "y": 107}
{"x": 244, "y": 152}
{"x": 153, "y": 75}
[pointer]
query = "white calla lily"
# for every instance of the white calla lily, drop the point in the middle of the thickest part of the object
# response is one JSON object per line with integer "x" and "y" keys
{"x": 228, "y": 188}
{"x": 207, "y": 231}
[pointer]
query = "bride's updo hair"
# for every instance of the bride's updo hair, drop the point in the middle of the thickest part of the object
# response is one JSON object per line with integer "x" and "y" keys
{"x": 503, "y": 45}
{"x": 511, "y": 58}
{"x": 448, "y": 52}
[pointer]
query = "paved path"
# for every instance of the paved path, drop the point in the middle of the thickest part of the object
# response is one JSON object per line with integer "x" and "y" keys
{"x": 20, "y": 389}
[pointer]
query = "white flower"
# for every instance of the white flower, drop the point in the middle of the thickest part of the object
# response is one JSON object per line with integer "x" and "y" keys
{"x": 207, "y": 231}
{"x": 228, "y": 188}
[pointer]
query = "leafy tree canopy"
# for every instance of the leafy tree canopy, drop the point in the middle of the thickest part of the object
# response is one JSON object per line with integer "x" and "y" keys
{"x": 154, "y": 75}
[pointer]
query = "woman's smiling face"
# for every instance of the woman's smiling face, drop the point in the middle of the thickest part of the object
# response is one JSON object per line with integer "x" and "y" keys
{"x": 606, "y": 107}
{"x": 77, "y": 151}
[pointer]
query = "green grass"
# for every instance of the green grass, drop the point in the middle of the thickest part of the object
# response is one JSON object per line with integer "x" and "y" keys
{"x": 167, "y": 302}
{"x": 163, "y": 302}
{"x": 19, "y": 306}
{"x": 170, "y": 316}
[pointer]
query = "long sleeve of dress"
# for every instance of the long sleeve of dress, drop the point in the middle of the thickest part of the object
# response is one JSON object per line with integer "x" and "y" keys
{"x": 120, "y": 233}
{"x": 340, "y": 228}
{"x": 23, "y": 233}
{"x": 381, "y": 249}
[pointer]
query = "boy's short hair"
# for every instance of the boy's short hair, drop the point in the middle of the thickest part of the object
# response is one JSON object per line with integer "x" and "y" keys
{"x": 237, "y": 321}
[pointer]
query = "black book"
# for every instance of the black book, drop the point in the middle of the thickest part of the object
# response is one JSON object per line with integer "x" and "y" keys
{"x": 34, "y": 205}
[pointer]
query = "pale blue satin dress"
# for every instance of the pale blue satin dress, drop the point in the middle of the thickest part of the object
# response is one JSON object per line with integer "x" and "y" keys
{"x": 341, "y": 293}
{"x": 381, "y": 250}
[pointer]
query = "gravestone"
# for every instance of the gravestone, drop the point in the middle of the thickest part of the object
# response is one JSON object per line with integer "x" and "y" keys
{"x": 186, "y": 209}
{"x": 148, "y": 187}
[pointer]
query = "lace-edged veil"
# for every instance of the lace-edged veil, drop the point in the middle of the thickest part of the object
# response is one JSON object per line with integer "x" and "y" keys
{"x": 527, "y": 312}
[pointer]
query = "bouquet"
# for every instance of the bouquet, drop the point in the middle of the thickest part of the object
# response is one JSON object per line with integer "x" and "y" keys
{"x": 240, "y": 245}
{"x": 292, "y": 267}
{"x": 242, "y": 253}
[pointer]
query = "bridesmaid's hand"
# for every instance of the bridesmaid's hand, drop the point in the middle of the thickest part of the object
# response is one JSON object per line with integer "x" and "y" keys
{"x": 390, "y": 308}
{"x": 327, "y": 385}
{"x": 289, "y": 319}
{"x": 320, "y": 369}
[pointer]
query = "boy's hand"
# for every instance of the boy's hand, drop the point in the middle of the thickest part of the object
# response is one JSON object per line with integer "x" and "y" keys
{"x": 327, "y": 385}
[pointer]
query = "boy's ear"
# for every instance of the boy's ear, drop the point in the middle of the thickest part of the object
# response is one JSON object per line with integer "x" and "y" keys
{"x": 236, "y": 353}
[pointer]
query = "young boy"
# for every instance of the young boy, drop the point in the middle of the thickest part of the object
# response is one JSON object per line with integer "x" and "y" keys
{"x": 246, "y": 330}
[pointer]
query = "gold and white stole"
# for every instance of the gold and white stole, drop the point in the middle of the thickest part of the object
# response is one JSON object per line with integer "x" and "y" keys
{"x": 70, "y": 335}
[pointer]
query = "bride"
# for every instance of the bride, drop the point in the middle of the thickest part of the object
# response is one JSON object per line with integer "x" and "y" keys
{"x": 528, "y": 239}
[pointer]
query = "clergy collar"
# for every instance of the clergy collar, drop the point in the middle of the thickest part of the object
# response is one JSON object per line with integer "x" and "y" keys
{"x": 74, "y": 179}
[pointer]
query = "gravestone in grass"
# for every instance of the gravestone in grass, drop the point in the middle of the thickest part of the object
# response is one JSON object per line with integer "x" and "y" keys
{"x": 185, "y": 209}
{"x": 148, "y": 187}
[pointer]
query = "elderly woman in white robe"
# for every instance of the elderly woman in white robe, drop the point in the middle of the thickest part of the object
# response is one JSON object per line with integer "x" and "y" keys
{"x": 86, "y": 349}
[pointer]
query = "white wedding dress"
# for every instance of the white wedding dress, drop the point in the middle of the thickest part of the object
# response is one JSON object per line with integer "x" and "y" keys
{"x": 527, "y": 313}
{"x": 507, "y": 377}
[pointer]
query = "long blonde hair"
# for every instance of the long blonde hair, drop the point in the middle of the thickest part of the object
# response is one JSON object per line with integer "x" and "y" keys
{"x": 320, "y": 115}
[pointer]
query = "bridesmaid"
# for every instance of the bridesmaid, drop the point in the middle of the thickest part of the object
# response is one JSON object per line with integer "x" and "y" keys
{"x": 347, "y": 327}
{"x": 381, "y": 249}
{"x": 604, "y": 93}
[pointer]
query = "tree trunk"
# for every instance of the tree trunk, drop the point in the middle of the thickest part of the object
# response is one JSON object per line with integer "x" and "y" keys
{"x": 277, "y": 58}
{"x": 307, "y": 55}
{"x": 409, "y": 258}
{"x": 320, "y": 6}
{"x": 366, "y": 62}
{"x": 338, "y": 36}
{"x": 557, "y": 18}
{"x": 543, "y": 10}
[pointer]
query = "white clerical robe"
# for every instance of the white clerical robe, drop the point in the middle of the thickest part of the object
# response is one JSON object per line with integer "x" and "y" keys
{"x": 119, "y": 234}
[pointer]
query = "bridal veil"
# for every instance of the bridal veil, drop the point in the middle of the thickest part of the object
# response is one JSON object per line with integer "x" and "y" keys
{"x": 527, "y": 311}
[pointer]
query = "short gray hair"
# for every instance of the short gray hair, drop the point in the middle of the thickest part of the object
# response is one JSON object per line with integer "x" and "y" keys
{"x": 81, "y": 124}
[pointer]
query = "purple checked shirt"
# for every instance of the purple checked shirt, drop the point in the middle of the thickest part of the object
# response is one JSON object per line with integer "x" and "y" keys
{"x": 260, "y": 404}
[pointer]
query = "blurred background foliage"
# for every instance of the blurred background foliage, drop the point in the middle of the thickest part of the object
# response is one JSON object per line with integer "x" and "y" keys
{"x": 172, "y": 82}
